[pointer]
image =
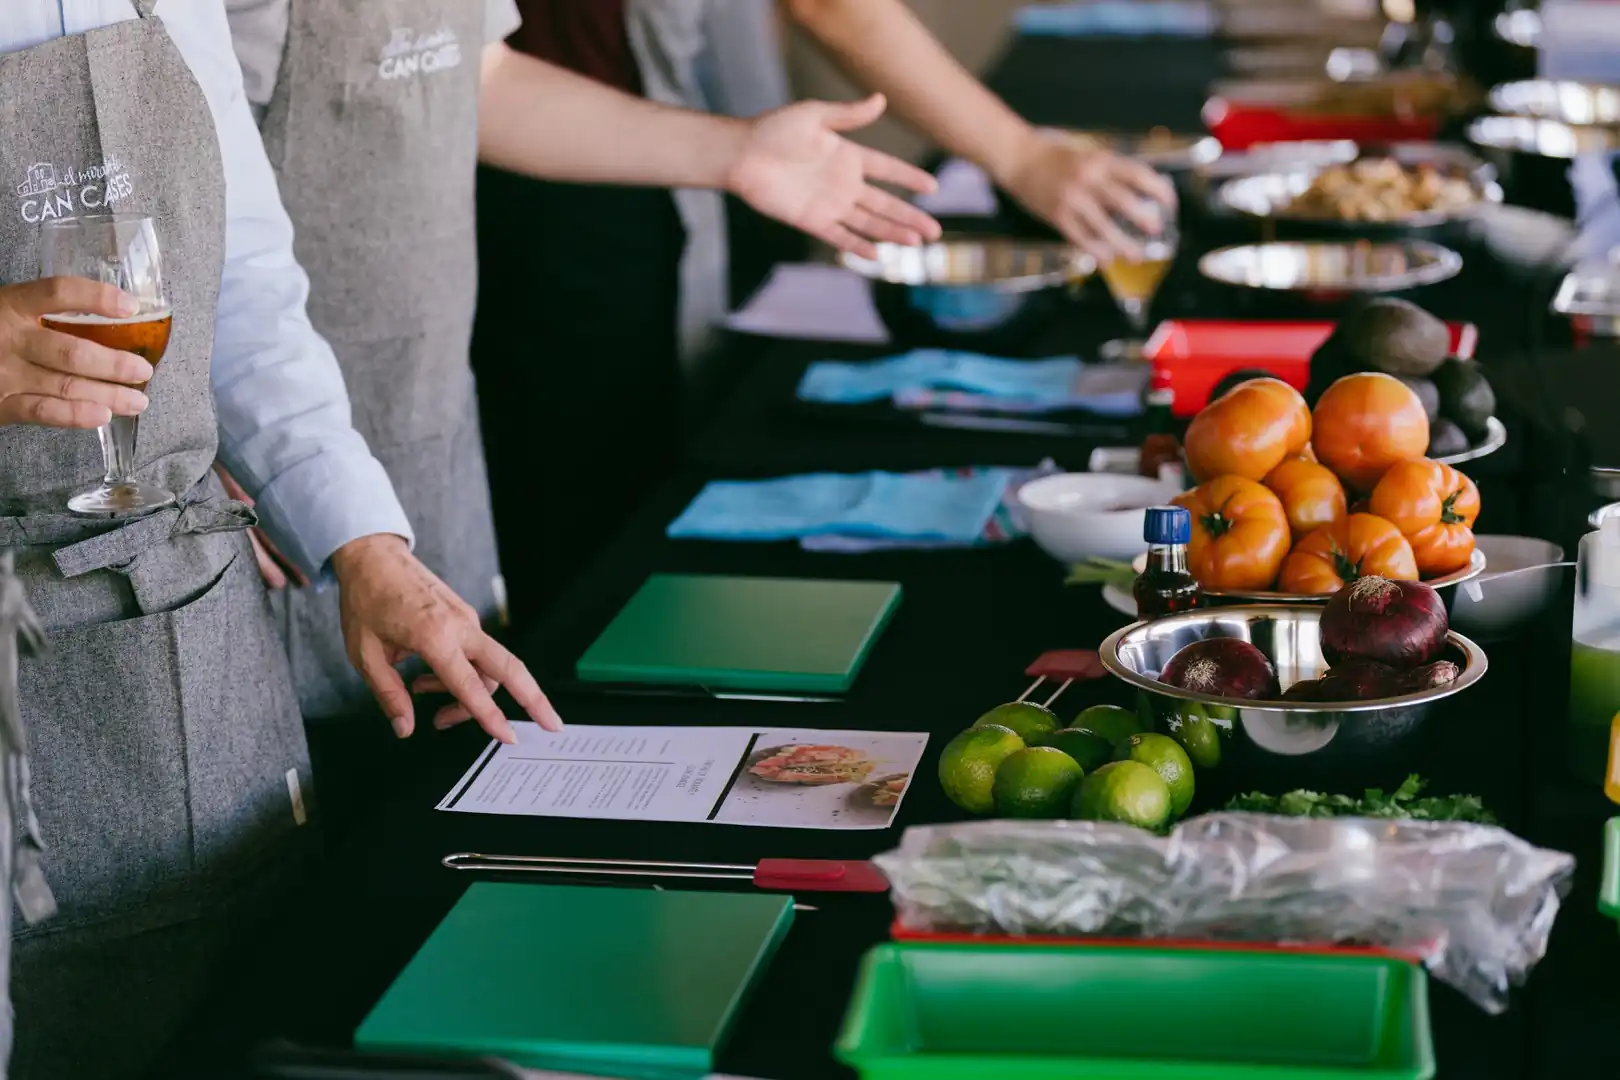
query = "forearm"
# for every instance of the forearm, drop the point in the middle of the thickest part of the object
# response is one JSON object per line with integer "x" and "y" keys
{"x": 883, "y": 46}
{"x": 543, "y": 121}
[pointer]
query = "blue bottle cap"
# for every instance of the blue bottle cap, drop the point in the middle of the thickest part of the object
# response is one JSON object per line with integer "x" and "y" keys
{"x": 1168, "y": 525}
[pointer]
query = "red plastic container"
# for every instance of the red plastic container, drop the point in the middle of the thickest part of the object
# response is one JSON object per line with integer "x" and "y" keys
{"x": 1239, "y": 125}
{"x": 1195, "y": 354}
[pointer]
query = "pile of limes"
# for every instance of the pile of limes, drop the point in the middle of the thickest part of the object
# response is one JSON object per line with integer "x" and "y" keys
{"x": 1110, "y": 764}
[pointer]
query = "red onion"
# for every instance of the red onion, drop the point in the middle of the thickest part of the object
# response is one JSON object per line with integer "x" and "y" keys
{"x": 1304, "y": 690}
{"x": 1222, "y": 667}
{"x": 1358, "y": 679}
{"x": 1400, "y": 623}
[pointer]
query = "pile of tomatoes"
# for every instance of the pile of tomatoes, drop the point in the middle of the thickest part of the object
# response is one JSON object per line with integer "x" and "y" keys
{"x": 1305, "y": 502}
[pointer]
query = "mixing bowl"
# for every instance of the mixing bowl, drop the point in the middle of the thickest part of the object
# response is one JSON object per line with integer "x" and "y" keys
{"x": 1075, "y": 516}
{"x": 985, "y": 292}
{"x": 1279, "y": 734}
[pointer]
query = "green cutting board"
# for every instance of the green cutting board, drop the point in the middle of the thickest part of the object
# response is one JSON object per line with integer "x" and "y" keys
{"x": 620, "y": 982}
{"x": 742, "y": 633}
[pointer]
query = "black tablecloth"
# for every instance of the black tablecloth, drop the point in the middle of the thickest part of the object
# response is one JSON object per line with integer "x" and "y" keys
{"x": 967, "y": 625}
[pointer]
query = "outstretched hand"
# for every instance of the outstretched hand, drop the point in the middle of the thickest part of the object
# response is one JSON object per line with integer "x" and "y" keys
{"x": 797, "y": 168}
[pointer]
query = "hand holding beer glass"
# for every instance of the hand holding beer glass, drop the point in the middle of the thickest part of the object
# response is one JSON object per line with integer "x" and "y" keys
{"x": 120, "y": 250}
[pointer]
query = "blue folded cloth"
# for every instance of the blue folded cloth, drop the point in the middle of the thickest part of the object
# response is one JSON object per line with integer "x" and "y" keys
{"x": 1101, "y": 18}
{"x": 946, "y": 378}
{"x": 860, "y": 511}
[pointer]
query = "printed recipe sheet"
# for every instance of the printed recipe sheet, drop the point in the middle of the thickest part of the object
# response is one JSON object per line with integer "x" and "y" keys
{"x": 790, "y": 778}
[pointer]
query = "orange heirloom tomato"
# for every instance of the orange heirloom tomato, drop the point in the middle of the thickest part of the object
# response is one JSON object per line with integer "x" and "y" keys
{"x": 1434, "y": 506}
{"x": 1239, "y": 533}
{"x": 1335, "y": 555}
{"x": 1247, "y": 431}
{"x": 1365, "y": 423}
{"x": 1311, "y": 495}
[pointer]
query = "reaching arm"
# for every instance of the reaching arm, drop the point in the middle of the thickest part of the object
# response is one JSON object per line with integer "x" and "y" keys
{"x": 882, "y": 45}
{"x": 792, "y": 164}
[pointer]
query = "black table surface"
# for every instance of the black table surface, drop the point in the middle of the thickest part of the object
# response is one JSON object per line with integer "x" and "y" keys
{"x": 968, "y": 624}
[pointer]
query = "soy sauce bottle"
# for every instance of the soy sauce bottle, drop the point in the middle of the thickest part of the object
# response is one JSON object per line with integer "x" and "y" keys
{"x": 1166, "y": 586}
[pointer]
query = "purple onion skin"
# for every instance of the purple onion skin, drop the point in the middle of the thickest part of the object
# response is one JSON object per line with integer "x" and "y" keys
{"x": 1222, "y": 667}
{"x": 1399, "y": 623}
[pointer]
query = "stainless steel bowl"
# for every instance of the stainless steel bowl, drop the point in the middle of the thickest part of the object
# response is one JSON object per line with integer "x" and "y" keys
{"x": 967, "y": 289}
{"x": 1284, "y": 732}
{"x": 1475, "y": 567}
{"x": 1271, "y": 194}
{"x": 1332, "y": 266}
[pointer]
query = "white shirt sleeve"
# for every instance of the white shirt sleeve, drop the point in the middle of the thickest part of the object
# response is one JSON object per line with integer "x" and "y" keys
{"x": 284, "y": 422}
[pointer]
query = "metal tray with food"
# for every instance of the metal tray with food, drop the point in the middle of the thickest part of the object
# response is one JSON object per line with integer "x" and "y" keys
{"x": 1158, "y": 147}
{"x": 1407, "y": 185}
{"x": 1332, "y": 266}
{"x": 1475, "y": 567}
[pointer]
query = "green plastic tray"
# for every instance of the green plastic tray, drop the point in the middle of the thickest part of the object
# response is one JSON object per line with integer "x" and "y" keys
{"x": 1609, "y": 887}
{"x": 942, "y": 1012}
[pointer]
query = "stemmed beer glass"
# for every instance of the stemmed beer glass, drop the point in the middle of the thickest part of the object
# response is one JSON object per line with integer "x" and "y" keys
{"x": 122, "y": 250}
{"x": 1134, "y": 282}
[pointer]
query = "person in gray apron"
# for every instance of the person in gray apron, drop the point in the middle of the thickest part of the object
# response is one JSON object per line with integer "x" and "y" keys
{"x": 166, "y": 731}
{"x": 392, "y": 259}
{"x": 170, "y": 772}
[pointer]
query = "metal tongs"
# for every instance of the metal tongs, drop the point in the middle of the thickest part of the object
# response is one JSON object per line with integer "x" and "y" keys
{"x": 777, "y": 875}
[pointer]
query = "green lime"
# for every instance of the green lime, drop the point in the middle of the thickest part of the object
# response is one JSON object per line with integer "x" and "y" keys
{"x": 1111, "y": 722}
{"x": 1086, "y": 747}
{"x": 1037, "y": 782}
{"x": 1148, "y": 708}
{"x": 967, "y": 766}
{"x": 1164, "y": 756}
{"x": 1200, "y": 735}
{"x": 1126, "y": 791}
{"x": 1029, "y": 720}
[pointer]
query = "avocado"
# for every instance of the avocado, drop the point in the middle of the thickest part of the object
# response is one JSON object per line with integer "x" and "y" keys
{"x": 1329, "y": 363}
{"x": 1237, "y": 378}
{"x": 1466, "y": 397}
{"x": 1445, "y": 439}
{"x": 1395, "y": 336}
{"x": 1427, "y": 393}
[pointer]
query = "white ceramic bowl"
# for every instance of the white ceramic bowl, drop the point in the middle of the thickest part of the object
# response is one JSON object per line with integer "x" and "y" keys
{"x": 1075, "y": 516}
{"x": 1507, "y": 601}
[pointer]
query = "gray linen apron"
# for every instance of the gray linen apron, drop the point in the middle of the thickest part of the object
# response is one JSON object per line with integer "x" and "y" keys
{"x": 712, "y": 56}
{"x": 20, "y": 842}
{"x": 169, "y": 757}
{"x": 373, "y": 134}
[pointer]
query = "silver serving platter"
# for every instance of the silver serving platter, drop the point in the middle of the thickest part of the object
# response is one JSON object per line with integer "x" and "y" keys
{"x": 1270, "y": 195}
{"x": 1159, "y": 149}
{"x": 1592, "y": 293}
{"x": 1541, "y": 138}
{"x": 1281, "y": 156}
{"x": 1290, "y": 639}
{"x": 1332, "y": 266}
{"x": 1001, "y": 263}
{"x": 1577, "y": 103}
{"x": 1475, "y": 567}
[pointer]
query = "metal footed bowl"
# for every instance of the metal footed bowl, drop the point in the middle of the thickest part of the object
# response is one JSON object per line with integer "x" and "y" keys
{"x": 1284, "y": 731}
{"x": 971, "y": 290}
{"x": 1475, "y": 567}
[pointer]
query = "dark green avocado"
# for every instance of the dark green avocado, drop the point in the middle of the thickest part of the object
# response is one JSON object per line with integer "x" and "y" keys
{"x": 1427, "y": 393}
{"x": 1446, "y": 438}
{"x": 1395, "y": 336}
{"x": 1466, "y": 397}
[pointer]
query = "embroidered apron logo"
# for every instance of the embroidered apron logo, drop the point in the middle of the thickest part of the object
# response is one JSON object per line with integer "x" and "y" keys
{"x": 409, "y": 54}
{"x": 47, "y": 193}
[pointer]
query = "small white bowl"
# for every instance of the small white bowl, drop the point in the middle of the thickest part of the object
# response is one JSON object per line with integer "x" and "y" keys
{"x": 1076, "y": 516}
{"x": 1507, "y": 601}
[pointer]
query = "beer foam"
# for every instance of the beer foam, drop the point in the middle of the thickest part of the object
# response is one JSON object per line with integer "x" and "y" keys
{"x": 85, "y": 318}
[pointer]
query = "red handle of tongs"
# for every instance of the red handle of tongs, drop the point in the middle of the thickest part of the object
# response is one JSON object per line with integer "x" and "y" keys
{"x": 819, "y": 875}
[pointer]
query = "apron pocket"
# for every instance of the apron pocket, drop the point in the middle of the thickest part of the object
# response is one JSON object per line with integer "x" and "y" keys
{"x": 160, "y": 747}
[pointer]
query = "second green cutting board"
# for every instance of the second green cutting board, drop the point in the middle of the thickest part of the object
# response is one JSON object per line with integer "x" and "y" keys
{"x": 743, "y": 633}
